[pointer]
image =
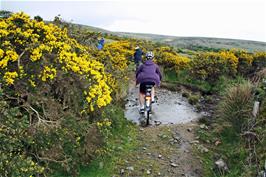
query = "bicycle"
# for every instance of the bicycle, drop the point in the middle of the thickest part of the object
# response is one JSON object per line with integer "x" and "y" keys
{"x": 148, "y": 103}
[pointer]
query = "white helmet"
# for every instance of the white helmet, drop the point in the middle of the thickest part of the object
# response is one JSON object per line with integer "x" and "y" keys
{"x": 149, "y": 55}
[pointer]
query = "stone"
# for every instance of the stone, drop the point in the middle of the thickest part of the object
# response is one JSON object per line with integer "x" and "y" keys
{"x": 148, "y": 172}
{"x": 202, "y": 126}
{"x": 173, "y": 164}
{"x": 130, "y": 168}
{"x": 217, "y": 142}
{"x": 119, "y": 148}
{"x": 144, "y": 148}
{"x": 159, "y": 156}
{"x": 203, "y": 149}
{"x": 164, "y": 136}
{"x": 221, "y": 165}
{"x": 195, "y": 142}
{"x": 122, "y": 171}
{"x": 101, "y": 165}
{"x": 189, "y": 129}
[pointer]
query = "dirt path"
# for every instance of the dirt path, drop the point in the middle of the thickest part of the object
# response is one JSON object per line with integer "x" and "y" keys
{"x": 166, "y": 149}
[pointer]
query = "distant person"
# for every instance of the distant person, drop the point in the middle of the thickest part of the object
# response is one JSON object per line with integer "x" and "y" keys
{"x": 147, "y": 74}
{"x": 137, "y": 56}
{"x": 100, "y": 44}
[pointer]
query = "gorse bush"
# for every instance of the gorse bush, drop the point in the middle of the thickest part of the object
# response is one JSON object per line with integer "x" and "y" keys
{"x": 52, "y": 90}
{"x": 236, "y": 105}
{"x": 115, "y": 57}
{"x": 166, "y": 57}
{"x": 33, "y": 54}
{"x": 210, "y": 66}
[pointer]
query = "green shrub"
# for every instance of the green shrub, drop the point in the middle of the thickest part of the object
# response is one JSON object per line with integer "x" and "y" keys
{"x": 193, "y": 99}
{"x": 236, "y": 105}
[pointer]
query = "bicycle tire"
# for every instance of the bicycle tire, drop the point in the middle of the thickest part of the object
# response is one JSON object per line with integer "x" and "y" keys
{"x": 147, "y": 117}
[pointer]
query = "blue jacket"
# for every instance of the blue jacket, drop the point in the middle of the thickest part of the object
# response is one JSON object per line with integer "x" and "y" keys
{"x": 101, "y": 42}
{"x": 148, "y": 72}
{"x": 138, "y": 55}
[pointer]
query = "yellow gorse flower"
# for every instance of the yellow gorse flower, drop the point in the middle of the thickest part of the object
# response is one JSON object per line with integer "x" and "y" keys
{"x": 9, "y": 77}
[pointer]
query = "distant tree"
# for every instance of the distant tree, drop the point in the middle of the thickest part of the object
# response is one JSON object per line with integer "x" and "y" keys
{"x": 38, "y": 18}
{"x": 5, "y": 14}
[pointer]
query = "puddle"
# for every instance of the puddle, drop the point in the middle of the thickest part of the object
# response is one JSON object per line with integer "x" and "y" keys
{"x": 170, "y": 108}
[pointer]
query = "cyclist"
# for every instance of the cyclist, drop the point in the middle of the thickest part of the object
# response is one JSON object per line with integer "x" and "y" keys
{"x": 147, "y": 74}
{"x": 100, "y": 44}
{"x": 137, "y": 56}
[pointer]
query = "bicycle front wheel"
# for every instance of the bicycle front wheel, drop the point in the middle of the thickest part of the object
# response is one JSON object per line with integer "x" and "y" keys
{"x": 147, "y": 115}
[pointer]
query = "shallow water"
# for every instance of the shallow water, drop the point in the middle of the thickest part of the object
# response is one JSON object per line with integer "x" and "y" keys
{"x": 170, "y": 108}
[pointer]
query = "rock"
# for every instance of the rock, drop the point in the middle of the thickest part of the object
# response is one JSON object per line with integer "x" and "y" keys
{"x": 202, "y": 126}
{"x": 217, "y": 142}
{"x": 130, "y": 168}
{"x": 122, "y": 171}
{"x": 203, "y": 149}
{"x": 186, "y": 151}
{"x": 141, "y": 129}
{"x": 221, "y": 165}
{"x": 157, "y": 123}
{"x": 195, "y": 142}
{"x": 177, "y": 138}
{"x": 148, "y": 153}
{"x": 164, "y": 136}
{"x": 148, "y": 172}
{"x": 159, "y": 156}
{"x": 189, "y": 129}
{"x": 101, "y": 165}
{"x": 159, "y": 174}
{"x": 119, "y": 148}
{"x": 173, "y": 164}
{"x": 144, "y": 148}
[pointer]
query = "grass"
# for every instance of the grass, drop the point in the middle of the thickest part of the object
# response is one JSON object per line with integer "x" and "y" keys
{"x": 231, "y": 150}
{"x": 119, "y": 144}
{"x": 183, "y": 77}
{"x": 122, "y": 142}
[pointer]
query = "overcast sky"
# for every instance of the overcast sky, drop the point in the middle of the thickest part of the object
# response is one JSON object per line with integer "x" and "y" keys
{"x": 237, "y": 19}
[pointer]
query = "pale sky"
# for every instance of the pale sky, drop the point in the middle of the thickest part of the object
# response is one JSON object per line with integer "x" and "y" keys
{"x": 236, "y": 19}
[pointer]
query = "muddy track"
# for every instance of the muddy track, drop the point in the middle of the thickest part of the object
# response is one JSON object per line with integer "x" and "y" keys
{"x": 165, "y": 149}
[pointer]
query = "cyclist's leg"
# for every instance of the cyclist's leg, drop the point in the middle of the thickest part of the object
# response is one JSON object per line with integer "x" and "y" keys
{"x": 141, "y": 95}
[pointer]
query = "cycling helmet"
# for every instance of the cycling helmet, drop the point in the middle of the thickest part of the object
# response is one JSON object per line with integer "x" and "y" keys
{"x": 149, "y": 55}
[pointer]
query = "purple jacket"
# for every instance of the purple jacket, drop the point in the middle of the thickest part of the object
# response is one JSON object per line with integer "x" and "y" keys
{"x": 149, "y": 72}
